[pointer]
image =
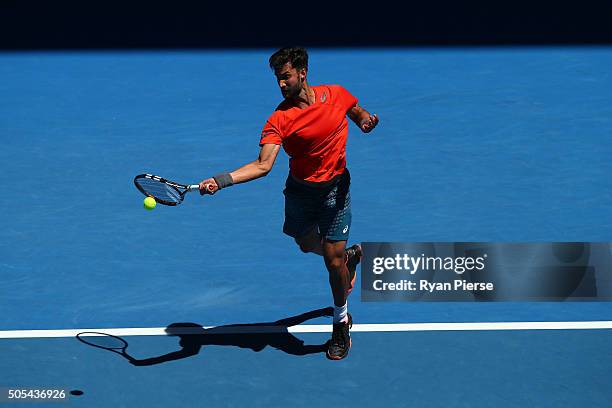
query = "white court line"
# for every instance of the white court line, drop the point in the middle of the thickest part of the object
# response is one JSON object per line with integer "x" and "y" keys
{"x": 321, "y": 328}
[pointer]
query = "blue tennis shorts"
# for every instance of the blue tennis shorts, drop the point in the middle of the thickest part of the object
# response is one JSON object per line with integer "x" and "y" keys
{"x": 326, "y": 208}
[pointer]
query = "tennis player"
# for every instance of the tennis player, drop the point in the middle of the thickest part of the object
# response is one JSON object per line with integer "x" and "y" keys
{"x": 310, "y": 123}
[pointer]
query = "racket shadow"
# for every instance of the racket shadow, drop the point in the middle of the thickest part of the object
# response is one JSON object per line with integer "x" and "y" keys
{"x": 254, "y": 336}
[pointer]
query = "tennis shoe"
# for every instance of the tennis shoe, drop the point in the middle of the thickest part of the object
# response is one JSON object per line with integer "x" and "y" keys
{"x": 352, "y": 257}
{"x": 340, "y": 343}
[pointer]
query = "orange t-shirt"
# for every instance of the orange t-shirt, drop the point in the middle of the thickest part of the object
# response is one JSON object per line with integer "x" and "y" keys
{"x": 313, "y": 137}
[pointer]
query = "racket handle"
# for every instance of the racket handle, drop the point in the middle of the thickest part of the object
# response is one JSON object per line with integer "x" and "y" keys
{"x": 197, "y": 187}
{"x": 209, "y": 188}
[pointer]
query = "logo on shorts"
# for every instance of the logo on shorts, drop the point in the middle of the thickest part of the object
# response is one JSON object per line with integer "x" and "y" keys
{"x": 324, "y": 97}
{"x": 345, "y": 229}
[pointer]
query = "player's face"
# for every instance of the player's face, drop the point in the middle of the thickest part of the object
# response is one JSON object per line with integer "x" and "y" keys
{"x": 290, "y": 80}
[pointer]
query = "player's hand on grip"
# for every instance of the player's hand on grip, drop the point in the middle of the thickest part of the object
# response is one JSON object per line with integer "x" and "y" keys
{"x": 208, "y": 186}
{"x": 369, "y": 123}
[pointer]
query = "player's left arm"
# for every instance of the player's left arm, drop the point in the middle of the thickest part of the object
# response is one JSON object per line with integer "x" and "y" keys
{"x": 363, "y": 119}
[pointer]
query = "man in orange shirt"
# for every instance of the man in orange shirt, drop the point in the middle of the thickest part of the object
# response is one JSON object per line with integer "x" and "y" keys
{"x": 310, "y": 123}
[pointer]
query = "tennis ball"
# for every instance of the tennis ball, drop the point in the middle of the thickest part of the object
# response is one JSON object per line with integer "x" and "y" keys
{"x": 149, "y": 203}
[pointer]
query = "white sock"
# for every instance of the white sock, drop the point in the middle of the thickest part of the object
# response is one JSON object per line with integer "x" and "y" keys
{"x": 340, "y": 313}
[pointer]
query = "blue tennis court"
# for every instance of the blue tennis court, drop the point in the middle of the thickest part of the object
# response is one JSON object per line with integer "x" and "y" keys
{"x": 474, "y": 144}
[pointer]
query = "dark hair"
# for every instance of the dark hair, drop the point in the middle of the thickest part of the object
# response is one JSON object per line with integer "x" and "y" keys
{"x": 297, "y": 56}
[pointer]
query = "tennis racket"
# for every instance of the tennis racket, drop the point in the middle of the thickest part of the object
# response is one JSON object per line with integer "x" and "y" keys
{"x": 164, "y": 191}
{"x": 105, "y": 341}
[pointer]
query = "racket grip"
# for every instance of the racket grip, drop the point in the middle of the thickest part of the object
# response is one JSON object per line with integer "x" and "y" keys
{"x": 209, "y": 188}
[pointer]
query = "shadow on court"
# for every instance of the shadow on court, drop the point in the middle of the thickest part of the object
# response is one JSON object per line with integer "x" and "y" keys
{"x": 254, "y": 336}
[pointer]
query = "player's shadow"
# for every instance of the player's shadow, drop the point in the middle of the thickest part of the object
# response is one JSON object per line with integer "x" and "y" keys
{"x": 255, "y": 336}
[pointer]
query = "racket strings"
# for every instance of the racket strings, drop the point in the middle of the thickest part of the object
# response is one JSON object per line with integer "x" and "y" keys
{"x": 159, "y": 190}
{"x": 104, "y": 341}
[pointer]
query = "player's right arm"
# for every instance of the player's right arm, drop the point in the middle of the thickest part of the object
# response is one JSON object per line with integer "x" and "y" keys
{"x": 258, "y": 168}
{"x": 251, "y": 171}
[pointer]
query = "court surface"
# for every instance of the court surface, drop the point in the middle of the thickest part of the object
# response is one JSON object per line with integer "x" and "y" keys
{"x": 474, "y": 144}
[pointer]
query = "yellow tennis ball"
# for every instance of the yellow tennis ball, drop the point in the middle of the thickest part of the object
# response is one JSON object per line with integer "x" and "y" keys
{"x": 149, "y": 203}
